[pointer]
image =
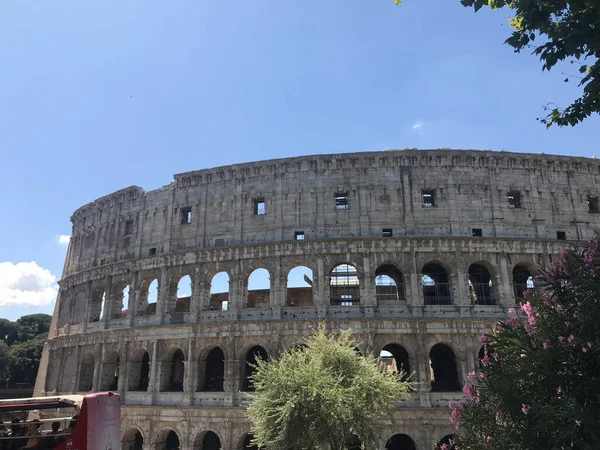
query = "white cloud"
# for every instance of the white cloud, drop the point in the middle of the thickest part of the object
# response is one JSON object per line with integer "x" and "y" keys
{"x": 64, "y": 239}
{"x": 26, "y": 284}
{"x": 416, "y": 126}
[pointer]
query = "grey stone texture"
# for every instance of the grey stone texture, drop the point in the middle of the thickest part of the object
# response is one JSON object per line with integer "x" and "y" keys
{"x": 525, "y": 207}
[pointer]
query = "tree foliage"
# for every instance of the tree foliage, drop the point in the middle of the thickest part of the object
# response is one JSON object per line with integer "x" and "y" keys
{"x": 539, "y": 386}
{"x": 21, "y": 344}
{"x": 321, "y": 395}
{"x": 558, "y": 30}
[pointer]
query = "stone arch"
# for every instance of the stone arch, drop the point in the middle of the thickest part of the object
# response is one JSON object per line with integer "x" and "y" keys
{"x": 220, "y": 285}
{"x": 482, "y": 290}
{"x": 174, "y": 371}
{"x": 207, "y": 440}
{"x": 400, "y": 442}
{"x": 168, "y": 439}
{"x": 132, "y": 440}
{"x": 522, "y": 281}
{"x": 246, "y": 442}
{"x": 148, "y": 296}
{"x": 79, "y": 307}
{"x": 69, "y": 373}
{"x": 447, "y": 440}
{"x": 109, "y": 378}
{"x": 98, "y": 304}
{"x": 139, "y": 370}
{"x": 258, "y": 288}
{"x": 299, "y": 287}
{"x": 436, "y": 284}
{"x": 396, "y": 358}
{"x": 86, "y": 373}
{"x": 212, "y": 371}
{"x": 444, "y": 372}
{"x": 344, "y": 285}
{"x": 251, "y": 358}
{"x": 180, "y": 292}
{"x": 389, "y": 284}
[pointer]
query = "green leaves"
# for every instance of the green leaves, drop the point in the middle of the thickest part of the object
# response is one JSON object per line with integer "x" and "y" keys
{"x": 321, "y": 395}
{"x": 568, "y": 28}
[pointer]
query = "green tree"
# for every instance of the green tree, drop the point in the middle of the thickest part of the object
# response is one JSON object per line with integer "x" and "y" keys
{"x": 25, "y": 360}
{"x": 4, "y": 360}
{"x": 558, "y": 30}
{"x": 539, "y": 385}
{"x": 321, "y": 395}
{"x": 34, "y": 324}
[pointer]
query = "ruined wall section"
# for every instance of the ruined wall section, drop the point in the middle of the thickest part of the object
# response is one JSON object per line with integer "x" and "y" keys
{"x": 385, "y": 191}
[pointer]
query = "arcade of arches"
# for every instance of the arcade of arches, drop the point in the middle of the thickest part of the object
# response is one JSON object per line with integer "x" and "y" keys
{"x": 346, "y": 287}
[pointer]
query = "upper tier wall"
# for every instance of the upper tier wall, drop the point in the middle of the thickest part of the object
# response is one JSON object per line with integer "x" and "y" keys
{"x": 384, "y": 191}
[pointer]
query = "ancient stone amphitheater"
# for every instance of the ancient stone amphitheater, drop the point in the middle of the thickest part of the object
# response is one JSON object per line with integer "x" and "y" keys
{"x": 417, "y": 251}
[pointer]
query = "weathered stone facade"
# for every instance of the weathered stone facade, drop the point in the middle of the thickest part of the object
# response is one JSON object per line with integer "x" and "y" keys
{"x": 456, "y": 233}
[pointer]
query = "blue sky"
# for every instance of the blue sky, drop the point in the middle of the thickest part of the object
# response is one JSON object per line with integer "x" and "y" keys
{"x": 100, "y": 95}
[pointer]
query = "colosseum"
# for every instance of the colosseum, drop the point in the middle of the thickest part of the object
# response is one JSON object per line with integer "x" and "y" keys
{"x": 168, "y": 295}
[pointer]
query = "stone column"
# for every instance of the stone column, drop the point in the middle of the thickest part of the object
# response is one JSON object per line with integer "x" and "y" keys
{"x": 163, "y": 301}
{"x": 97, "y": 367}
{"x": 322, "y": 297}
{"x": 504, "y": 284}
{"x": 124, "y": 371}
{"x": 236, "y": 290}
{"x": 75, "y": 380}
{"x": 190, "y": 367}
{"x": 108, "y": 307}
{"x": 416, "y": 301}
{"x": 197, "y": 294}
{"x": 367, "y": 285}
{"x": 98, "y": 381}
{"x": 132, "y": 303}
{"x": 153, "y": 378}
{"x": 88, "y": 306}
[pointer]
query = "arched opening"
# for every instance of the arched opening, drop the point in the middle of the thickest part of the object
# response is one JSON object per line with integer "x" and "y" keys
{"x": 259, "y": 289}
{"x": 522, "y": 280}
{"x": 389, "y": 285}
{"x": 481, "y": 286}
{"x": 253, "y": 355}
{"x": 109, "y": 380}
{"x": 120, "y": 305}
{"x": 444, "y": 374}
{"x": 97, "y": 305}
{"x": 86, "y": 373}
{"x": 124, "y": 301}
{"x": 354, "y": 443}
{"x": 209, "y": 441}
{"x": 344, "y": 286}
{"x": 69, "y": 374}
{"x": 299, "y": 287}
{"x": 168, "y": 441}
{"x": 181, "y": 289}
{"x": 148, "y": 297}
{"x": 214, "y": 371}
{"x": 247, "y": 443}
{"x": 132, "y": 440}
{"x": 446, "y": 443}
{"x": 436, "y": 287}
{"x": 400, "y": 442}
{"x": 175, "y": 383}
{"x": 395, "y": 359}
{"x": 219, "y": 292}
{"x": 139, "y": 371}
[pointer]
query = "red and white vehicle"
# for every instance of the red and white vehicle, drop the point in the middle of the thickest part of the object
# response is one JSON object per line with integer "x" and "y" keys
{"x": 67, "y": 422}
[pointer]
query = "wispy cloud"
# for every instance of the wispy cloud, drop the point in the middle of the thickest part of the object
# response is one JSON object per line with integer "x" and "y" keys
{"x": 26, "y": 284}
{"x": 64, "y": 239}
{"x": 418, "y": 127}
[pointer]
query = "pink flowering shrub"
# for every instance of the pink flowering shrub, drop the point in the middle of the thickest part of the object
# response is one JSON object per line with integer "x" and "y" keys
{"x": 539, "y": 383}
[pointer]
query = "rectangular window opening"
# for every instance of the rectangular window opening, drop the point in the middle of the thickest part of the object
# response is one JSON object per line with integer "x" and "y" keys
{"x": 561, "y": 235}
{"x": 299, "y": 235}
{"x": 224, "y": 305}
{"x": 386, "y": 232}
{"x": 128, "y": 227}
{"x": 152, "y": 251}
{"x": 186, "y": 216}
{"x": 259, "y": 207}
{"x": 514, "y": 199}
{"x": 428, "y": 198}
{"x": 477, "y": 232}
{"x": 341, "y": 201}
{"x": 593, "y": 206}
